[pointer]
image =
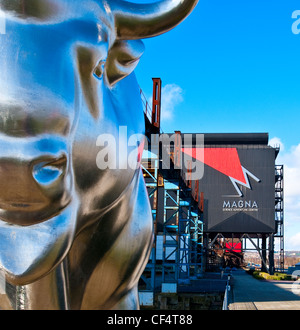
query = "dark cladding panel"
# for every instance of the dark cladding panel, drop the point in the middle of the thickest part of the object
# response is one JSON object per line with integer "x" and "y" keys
{"x": 238, "y": 181}
{"x": 236, "y": 138}
{"x": 236, "y": 205}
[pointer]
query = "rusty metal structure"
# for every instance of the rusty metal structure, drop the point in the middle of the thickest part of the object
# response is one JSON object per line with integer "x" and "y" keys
{"x": 177, "y": 252}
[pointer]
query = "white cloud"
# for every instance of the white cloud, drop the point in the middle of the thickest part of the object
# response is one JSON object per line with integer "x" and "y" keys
{"x": 171, "y": 96}
{"x": 293, "y": 242}
{"x": 291, "y": 161}
{"x": 275, "y": 141}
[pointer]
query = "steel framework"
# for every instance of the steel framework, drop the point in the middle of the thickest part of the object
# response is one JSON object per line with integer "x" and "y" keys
{"x": 279, "y": 213}
{"x": 178, "y": 244}
{"x": 182, "y": 234}
{"x": 150, "y": 173}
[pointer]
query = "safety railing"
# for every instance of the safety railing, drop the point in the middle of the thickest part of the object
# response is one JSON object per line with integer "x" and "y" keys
{"x": 147, "y": 106}
{"x": 226, "y": 294}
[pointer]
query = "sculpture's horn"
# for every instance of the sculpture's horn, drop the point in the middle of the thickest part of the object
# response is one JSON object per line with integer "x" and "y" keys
{"x": 138, "y": 21}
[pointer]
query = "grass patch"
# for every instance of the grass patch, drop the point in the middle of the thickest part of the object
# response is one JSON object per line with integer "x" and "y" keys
{"x": 277, "y": 276}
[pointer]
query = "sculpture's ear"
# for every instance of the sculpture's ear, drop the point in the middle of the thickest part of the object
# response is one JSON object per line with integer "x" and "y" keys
{"x": 122, "y": 59}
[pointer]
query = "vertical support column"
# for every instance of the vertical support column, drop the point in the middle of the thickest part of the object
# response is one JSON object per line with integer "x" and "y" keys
{"x": 184, "y": 231}
{"x": 263, "y": 253}
{"x": 205, "y": 252}
{"x": 156, "y": 102}
{"x": 177, "y": 150}
{"x": 201, "y": 202}
{"x": 171, "y": 253}
{"x": 201, "y": 250}
{"x": 271, "y": 254}
{"x": 151, "y": 176}
{"x": 195, "y": 192}
{"x": 188, "y": 180}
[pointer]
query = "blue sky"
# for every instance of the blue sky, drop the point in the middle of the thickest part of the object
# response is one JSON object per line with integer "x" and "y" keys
{"x": 234, "y": 66}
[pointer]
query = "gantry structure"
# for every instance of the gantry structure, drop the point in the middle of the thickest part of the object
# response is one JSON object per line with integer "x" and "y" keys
{"x": 177, "y": 210}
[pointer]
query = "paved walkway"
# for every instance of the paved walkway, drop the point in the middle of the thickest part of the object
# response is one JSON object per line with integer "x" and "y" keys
{"x": 252, "y": 294}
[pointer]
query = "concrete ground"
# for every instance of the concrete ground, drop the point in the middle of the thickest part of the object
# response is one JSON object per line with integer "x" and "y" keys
{"x": 248, "y": 293}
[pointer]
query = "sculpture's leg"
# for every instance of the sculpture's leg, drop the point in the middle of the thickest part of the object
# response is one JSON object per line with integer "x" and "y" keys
{"x": 129, "y": 302}
{"x": 48, "y": 293}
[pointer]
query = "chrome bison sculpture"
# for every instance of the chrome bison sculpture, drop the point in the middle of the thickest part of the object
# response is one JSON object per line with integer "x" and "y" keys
{"x": 75, "y": 221}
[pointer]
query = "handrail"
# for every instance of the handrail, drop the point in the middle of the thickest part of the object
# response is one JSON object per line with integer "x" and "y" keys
{"x": 147, "y": 107}
{"x": 226, "y": 294}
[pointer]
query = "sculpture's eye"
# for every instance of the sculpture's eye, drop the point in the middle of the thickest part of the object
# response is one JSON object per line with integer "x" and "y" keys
{"x": 99, "y": 69}
{"x": 47, "y": 172}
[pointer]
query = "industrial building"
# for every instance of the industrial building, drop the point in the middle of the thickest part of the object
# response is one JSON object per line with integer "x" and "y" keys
{"x": 213, "y": 197}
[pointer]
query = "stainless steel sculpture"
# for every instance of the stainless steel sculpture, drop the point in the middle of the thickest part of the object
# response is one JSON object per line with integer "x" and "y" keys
{"x": 73, "y": 234}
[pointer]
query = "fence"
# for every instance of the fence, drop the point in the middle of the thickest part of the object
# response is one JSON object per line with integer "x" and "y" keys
{"x": 226, "y": 295}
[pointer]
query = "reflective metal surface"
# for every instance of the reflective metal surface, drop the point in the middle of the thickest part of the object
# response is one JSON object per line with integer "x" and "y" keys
{"x": 75, "y": 221}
